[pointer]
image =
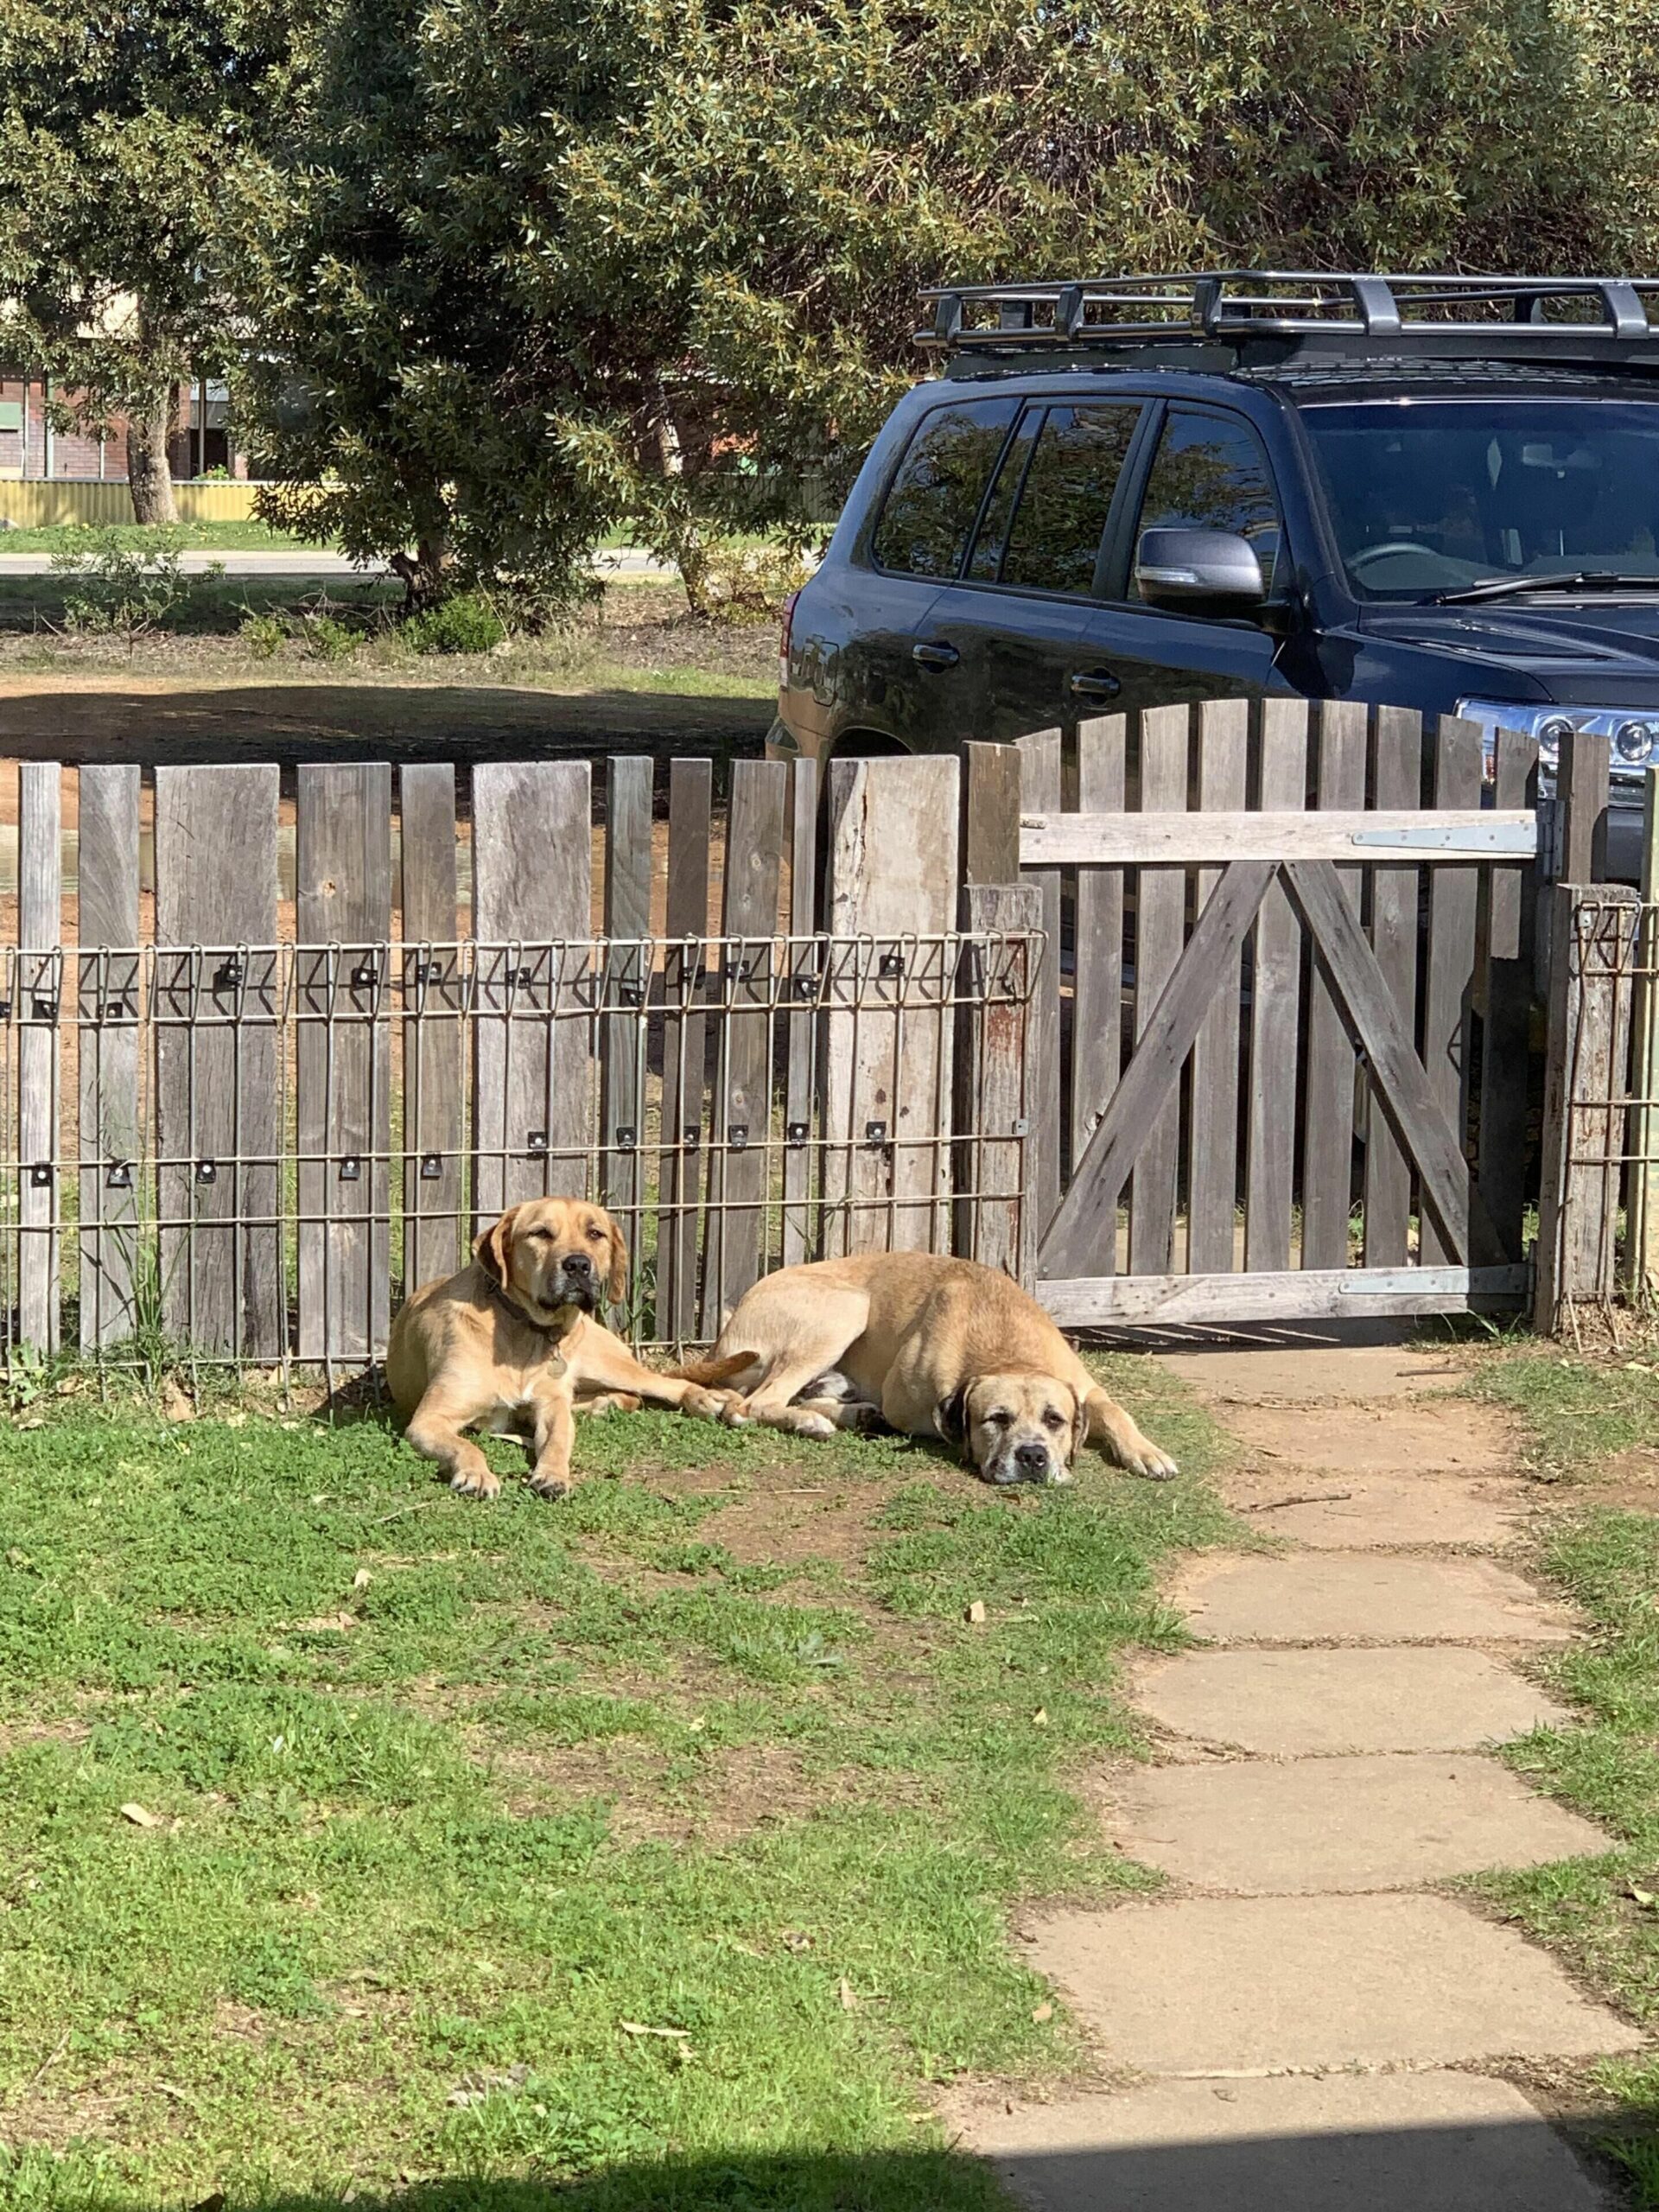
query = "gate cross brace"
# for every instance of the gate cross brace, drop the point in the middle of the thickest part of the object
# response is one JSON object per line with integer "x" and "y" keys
{"x": 1088, "y": 1213}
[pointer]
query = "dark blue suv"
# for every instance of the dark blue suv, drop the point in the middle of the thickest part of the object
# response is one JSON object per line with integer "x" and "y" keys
{"x": 1438, "y": 493}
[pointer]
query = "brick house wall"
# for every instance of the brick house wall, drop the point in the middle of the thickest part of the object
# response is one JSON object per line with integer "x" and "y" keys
{"x": 30, "y": 449}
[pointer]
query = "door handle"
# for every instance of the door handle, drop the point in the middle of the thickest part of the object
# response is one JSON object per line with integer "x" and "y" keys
{"x": 1095, "y": 683}
{"x": 935, "y": 656}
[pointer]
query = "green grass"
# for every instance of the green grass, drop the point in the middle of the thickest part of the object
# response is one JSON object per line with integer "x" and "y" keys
{"x": 195, "y": 536}
{"x": 1602, "y": 1914}
{"x": 441, "y": 1795}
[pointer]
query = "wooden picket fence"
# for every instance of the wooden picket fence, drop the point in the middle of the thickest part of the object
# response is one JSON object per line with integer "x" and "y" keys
{"x": 1223, "y": 1014}
{"x": 245, "y": 1115}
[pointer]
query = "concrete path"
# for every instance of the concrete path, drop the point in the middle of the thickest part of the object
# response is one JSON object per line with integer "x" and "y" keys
{"x": 1298, "y": 2022}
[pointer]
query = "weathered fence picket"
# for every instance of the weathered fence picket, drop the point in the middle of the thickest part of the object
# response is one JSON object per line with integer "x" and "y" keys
{"x": 39, "y": 988}
{"x": 115, "y": 1190}
{"x": 220, "y": 1083}
{"x": 742, "y": 1150}
{"x": 533, "y": 918}
{"x": 684, "y": 1044}
{"x": 343, "y": 1058}
{"x": 433, "y": 1032}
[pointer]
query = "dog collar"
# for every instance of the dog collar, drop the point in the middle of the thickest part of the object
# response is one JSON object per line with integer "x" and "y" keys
{"x": 542, "y": 1328}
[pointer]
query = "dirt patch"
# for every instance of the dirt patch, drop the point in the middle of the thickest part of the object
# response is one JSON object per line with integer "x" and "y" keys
{"x": 21, "y": 1736}
{"x": 650, "y": 1798}
{"x": 784, "y": 1528}
{"x": 1629, "y": 1479}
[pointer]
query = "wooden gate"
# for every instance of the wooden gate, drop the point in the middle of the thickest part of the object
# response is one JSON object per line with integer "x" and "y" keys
{"x": 1287, "y": 1073}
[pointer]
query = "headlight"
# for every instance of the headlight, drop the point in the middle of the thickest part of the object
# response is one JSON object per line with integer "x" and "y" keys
{"x": 1632, "y": 733}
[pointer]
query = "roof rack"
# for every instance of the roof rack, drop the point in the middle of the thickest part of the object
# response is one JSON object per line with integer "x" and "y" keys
{"x": 1285, "y": 311}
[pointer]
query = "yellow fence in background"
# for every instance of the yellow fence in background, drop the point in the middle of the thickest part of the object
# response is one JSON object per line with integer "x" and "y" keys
{"x": 36, "y": 505}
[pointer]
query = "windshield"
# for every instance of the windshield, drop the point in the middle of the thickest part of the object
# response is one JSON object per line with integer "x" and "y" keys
{"x": 1429, "y": 496}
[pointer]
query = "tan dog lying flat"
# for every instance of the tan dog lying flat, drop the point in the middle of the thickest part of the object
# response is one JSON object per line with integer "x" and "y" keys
{"x": 511, "y": 1344}
{"x": 935, "y": 1347}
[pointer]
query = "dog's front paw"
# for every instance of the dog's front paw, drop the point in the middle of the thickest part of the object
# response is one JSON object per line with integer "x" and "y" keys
{"x": 1145, "y": 1459}
{"x": 550, "y": 1486}
{"x": 482, "y": 1484}
{"x": 709, "y": 1405}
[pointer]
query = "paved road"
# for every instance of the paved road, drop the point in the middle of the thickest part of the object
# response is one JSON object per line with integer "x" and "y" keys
{"x": 303, "y": 563}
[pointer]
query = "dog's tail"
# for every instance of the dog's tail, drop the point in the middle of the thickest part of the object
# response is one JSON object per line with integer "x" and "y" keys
{"x": 709, "y": 1372}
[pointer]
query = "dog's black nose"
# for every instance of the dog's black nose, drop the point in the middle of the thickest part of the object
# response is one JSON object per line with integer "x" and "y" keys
{"x": 578, "y": 1264}
{"x": 1032, "y": 1459}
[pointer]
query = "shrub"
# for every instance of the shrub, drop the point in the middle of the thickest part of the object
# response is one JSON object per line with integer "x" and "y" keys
{"x": 467, "y": 624}
{"x": 263, "y": 635}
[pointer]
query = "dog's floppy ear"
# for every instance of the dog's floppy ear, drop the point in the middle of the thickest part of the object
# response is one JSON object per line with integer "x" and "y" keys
{"x": 616, "y": 1289}
{"x": 492, "y": 1248}
{"x": 951, "y": 1418}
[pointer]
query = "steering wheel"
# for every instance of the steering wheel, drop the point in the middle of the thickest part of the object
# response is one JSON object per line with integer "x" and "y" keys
{"x": 1394, "y": 545}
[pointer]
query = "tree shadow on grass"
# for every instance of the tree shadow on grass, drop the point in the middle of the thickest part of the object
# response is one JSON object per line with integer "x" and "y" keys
{"x": 1520, "y": 2165}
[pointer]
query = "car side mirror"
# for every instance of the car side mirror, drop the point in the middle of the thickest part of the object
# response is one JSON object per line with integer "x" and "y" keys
{"x": 1189, "y": 569}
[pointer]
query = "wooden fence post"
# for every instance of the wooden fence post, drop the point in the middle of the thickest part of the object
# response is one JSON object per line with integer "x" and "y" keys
{"x": 1593, "y": 937}
{"x": 888, "y": 1049}
{"x": 1582, "y": 786}
{"x": 1640, "y": 1270}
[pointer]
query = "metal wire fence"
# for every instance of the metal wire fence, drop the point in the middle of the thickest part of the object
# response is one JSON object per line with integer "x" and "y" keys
{"x": 247, "y": 1154}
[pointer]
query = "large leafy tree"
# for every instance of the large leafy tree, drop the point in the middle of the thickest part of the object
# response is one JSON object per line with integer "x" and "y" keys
{"x": 122, "y": 124}
{"x": 550, "y": 265}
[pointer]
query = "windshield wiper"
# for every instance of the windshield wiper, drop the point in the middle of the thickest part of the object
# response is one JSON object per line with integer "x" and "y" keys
{"x": 1516, "y": 586}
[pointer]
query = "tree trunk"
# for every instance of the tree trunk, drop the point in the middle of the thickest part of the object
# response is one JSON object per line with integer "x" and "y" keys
{"x": 149, "y": 478}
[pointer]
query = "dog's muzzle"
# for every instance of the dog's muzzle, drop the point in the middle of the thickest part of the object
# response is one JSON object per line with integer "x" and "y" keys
{"x": 1030, "y": 1461}
{"x": 575, "y": 1283}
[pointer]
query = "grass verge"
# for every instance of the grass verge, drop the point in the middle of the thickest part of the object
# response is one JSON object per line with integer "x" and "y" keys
{"x": 1594, "y": 1425}
{"x": 355, "y": 1841}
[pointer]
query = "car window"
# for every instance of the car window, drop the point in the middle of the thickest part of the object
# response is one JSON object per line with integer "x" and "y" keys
{"x": 929, "y": 513}
{"x": 1441, "y": 493}
{"x": 1054, "y": 539}
{"x": 986, "y": 560}
{"x": 1210, "y": 473}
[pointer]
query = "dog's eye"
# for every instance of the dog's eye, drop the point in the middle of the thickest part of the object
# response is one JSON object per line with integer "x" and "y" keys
{"x": 540, "y": 1235}
{"x": 595, "y": 1233}
{"x": 999, "y": 1419}
{"x": 1051, "y": 1419}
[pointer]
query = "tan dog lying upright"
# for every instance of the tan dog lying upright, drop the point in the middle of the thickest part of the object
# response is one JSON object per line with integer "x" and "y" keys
{"x": 512, "y": 1343}
{"x": 936, "y": 1347}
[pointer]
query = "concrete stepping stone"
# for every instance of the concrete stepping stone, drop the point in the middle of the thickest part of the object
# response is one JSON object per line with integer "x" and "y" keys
{"x": 1283, "y": 1985}
{"x": 1300, "y": 1703}
{"x": 1262, "y": 1829}
{"x": 1386, "y": 1439}
{"x": 1335, "y": 1512}
{"x": 1432, "y": 2142}
{"x": 1296, "y": 1373}
{"x": 1365, "y": 1598}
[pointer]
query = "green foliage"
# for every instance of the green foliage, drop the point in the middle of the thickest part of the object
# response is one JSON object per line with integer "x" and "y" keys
{"x": 466, "y": 624}
{"x": 550, "y": 265}
{"x": 264, "y": 635}
{"x": 114, "y": 583}
{"x": 121, "y": 131}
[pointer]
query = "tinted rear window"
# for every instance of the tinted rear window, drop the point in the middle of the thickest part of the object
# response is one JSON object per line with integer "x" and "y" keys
{"x": 928, "y": 516}
{"x": 1061, "y": 517}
